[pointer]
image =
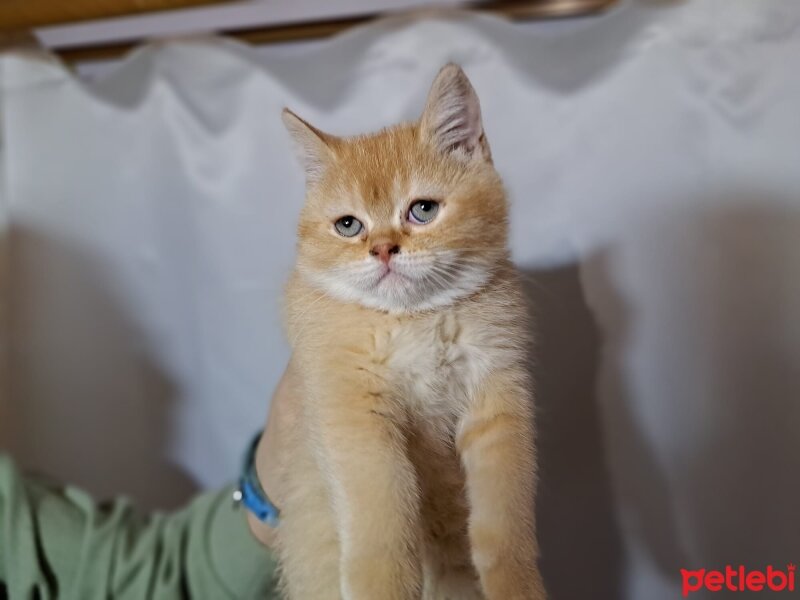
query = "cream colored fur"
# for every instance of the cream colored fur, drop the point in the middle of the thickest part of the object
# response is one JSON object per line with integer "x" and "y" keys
{"x": 408, "y": 459}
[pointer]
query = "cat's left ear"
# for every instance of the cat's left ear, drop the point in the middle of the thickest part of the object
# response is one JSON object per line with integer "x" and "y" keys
{"x": 452, "y": 117}
{"x": 313, "y": 146}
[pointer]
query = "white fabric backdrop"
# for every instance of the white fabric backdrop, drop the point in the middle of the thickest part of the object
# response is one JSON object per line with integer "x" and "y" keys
{"x": 653, "y": 160}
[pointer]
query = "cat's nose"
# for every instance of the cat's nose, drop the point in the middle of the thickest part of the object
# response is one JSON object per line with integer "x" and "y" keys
{"x": 384, "y": 251}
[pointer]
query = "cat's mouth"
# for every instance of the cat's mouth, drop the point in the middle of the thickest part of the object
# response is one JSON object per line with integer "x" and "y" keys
{"x": 390, "y": 274}
{"x": 405, "y": 284}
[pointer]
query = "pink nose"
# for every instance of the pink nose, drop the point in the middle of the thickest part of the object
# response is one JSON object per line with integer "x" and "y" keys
{"x": 384, "y": 251}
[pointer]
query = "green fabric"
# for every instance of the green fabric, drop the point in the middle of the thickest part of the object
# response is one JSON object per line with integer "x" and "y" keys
{"x": 59, "y": 543}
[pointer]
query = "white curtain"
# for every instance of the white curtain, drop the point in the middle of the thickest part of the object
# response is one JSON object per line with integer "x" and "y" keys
{"x": 652, "y": 157}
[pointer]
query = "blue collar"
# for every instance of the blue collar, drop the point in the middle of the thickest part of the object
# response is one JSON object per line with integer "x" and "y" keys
{"x": 250, "y": 493}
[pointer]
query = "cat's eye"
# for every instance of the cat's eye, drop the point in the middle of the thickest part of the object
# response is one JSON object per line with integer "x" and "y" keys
{"x": 423, "y": 211}
{"x": 348, "y": 226}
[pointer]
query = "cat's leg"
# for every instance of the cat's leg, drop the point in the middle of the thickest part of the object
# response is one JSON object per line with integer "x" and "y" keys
{"x": 308, "y": 544}
{"x": 448, "y": 569}
{"x": 449, "y": 573}
{"x": 362, "y": 449}
{"x": 496, "y": 442}
{"x": 453, "y": 583}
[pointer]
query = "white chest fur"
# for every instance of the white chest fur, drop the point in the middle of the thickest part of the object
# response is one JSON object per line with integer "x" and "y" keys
{"x": 435, "y": 363}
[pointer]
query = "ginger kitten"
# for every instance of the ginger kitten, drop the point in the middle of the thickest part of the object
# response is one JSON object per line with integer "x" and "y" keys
{"x": 408, "y": 465}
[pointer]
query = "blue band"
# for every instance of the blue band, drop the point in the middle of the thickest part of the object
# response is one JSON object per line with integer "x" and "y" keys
{"x": 250, "y": 492}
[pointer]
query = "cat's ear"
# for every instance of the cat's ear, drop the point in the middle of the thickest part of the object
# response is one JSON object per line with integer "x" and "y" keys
{"x": 452, "y": 117}
{"x": 313, "y": 147}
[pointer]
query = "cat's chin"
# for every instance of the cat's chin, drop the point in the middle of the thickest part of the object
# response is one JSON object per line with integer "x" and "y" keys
{"x": 397, "y": 294}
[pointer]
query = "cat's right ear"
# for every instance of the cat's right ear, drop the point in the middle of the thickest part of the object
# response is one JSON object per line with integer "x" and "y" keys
{"x": 311, "y": 145}
{"x": 451, "y": 120}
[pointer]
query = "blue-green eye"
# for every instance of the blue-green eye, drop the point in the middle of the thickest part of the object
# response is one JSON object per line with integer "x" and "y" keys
{"x": 423, "y": 211}
{"x": 348, "y": 226}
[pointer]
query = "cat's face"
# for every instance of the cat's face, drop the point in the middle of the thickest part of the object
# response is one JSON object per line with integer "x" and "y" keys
{"x": 408, "y": 219}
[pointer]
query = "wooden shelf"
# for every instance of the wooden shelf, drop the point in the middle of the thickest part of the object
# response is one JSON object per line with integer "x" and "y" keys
{"x": 24, "y": 15}
{"x": 29, "y": 14}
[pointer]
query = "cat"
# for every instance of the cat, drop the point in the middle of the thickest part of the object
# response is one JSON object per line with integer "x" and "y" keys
{"x": 408, "y": 466}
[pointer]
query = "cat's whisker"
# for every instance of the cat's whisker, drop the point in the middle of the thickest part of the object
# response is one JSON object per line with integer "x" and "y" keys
{"x": 299, "y": 318}
{"x": 437, "y": 278}
{"x": 449, "y": 270}
{"x": 445, "y": 270}
{"x": 440, "y": 279}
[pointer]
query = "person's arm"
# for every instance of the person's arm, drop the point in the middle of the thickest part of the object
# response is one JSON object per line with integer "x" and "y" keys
{"x": 282, "y": 417}
{"x": 59, "y": 543}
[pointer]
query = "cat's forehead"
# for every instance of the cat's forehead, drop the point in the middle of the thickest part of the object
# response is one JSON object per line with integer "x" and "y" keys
{"x": 378, "y": 169}
{"x": 376, "y": 159}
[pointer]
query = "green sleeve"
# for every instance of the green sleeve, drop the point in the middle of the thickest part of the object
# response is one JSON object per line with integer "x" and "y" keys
{"x": 59, "y": 543}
